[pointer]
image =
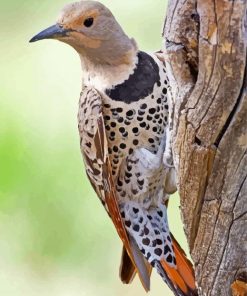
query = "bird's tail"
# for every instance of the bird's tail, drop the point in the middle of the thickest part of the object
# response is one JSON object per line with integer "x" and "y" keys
{"x": 181, "y": 280}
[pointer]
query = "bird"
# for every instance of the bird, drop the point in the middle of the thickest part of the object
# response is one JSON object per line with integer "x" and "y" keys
{"x": 123, "y": 123}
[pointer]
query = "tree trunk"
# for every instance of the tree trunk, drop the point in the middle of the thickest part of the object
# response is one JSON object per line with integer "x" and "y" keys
{"x": 205, "y": 51}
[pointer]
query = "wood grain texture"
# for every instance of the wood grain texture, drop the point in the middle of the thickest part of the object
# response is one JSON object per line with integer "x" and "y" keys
{"x": 205, "y": 50}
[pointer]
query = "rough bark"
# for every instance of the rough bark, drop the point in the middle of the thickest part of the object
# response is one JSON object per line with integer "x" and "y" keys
{"x": 205, "y": 51}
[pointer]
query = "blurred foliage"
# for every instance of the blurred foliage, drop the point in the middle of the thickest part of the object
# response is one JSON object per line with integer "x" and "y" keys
{"x": 55, "y": 236}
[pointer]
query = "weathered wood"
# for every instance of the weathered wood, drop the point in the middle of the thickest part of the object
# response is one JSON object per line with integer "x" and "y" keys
{"x": 205, "y": 50}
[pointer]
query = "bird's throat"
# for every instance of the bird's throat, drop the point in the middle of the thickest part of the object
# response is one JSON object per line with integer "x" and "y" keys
{"x": 103, "y": 76}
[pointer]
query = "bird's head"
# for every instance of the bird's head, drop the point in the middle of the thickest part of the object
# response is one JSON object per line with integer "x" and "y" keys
{"x": 91, "y": 29}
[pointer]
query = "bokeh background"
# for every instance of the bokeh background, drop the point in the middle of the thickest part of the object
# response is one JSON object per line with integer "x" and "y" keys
{"x": 55, "y": 238}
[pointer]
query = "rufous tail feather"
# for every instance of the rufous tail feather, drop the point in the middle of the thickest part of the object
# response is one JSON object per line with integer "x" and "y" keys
{"x": 181, "y": 279}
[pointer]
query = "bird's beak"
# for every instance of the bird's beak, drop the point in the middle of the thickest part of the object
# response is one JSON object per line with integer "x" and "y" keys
{"x": 52, "y": 32}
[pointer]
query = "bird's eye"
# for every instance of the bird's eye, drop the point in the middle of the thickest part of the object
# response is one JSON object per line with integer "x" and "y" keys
{"x": 88, "y": 22}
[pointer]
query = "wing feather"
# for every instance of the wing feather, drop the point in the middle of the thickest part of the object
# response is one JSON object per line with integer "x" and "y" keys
{"x": 94, "y": 148}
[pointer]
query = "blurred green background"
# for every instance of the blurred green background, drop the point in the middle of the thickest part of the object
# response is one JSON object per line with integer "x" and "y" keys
{"x": 55, "y": 238}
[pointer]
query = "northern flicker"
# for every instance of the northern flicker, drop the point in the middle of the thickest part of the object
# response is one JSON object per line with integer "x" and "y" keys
{"x": 123, "y": 116}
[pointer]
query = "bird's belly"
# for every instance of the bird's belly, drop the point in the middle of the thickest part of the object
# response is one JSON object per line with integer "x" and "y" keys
{"x": 141, "y": 177}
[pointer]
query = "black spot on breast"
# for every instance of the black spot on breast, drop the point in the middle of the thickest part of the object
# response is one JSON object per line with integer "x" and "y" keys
{"x": 146, "y": 241}
{"x": 152, "y": 110}
{"x": 115, "y": 148}
{"x": 140, "y": 84}
{"x": 159, "y": 241}
{"x": 167, "y": 249}
{"x": 140, "y": 182}
{"x": 164, "y": 91}
{"x": 114, "y": 111}
{"x": 158, "y": 251}
{"x": 130, "y": 113}
{"x": 120, "y": 183}
{"x": 146, "y": 230}
{"x": 127, "y": 223}
{"x": 107, "y": 117}
{"x": 160, "y": 213}
{"x": 136, "y": 227}
{"x": 128, "y": 175}
{"x": 135, "y": 210}
{"x": 122, "y": 146}
{"x": 141, "y": 112}
{"x": 122, "y": 129}
{"x": 135, "y": 130}
{"x": 134, "y": 191}
{"x": 129, "y": 168}
{"x": 169, "y": 258}
{"x": 123, "y": 193}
